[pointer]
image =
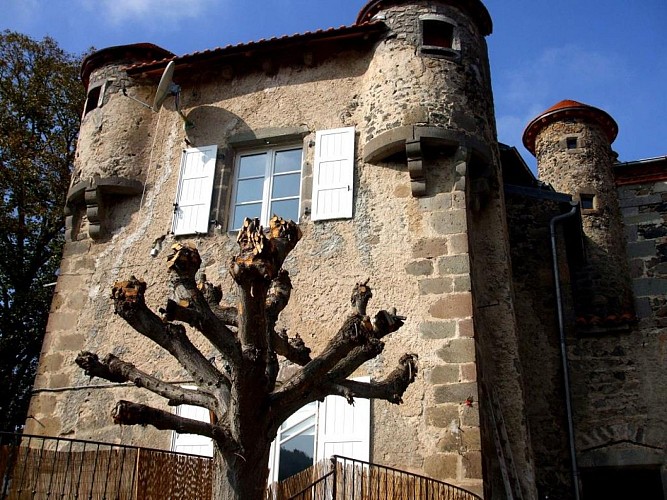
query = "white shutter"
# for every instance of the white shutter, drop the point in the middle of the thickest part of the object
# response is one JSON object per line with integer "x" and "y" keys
{"x": 333, "y": 174}
{"x": 344, "y": 429}
{"x": 193, "y": 443}
{"x": 195, "y": 188}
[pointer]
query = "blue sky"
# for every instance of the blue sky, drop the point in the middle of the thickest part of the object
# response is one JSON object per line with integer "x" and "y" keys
{"x": 608, "y": 53}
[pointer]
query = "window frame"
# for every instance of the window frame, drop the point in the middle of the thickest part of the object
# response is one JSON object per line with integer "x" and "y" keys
{"x": 453, "y": 52}
{"x": 267, "y": 186}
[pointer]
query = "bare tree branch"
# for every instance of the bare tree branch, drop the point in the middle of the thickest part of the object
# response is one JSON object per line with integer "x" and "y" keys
{"x": 193, "y": 307}
{"x": 129, "y": 303}
{"x": 293, "y": 349}
{"x": 391, "y": 388}
{"x": 128, "y": 413}
{"x": 114, "y": 369}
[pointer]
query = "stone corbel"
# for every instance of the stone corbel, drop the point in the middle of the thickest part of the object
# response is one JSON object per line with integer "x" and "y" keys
{"x": 413, "y": 151}
{"x": 94, "y": 194}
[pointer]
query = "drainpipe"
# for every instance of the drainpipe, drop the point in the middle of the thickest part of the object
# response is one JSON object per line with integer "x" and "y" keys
{"x": 563, "y": 349}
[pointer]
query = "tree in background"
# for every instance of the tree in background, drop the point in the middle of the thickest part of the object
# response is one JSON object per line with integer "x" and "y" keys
{"x": 41, "y": 98}
{"x": 242, "y": 391}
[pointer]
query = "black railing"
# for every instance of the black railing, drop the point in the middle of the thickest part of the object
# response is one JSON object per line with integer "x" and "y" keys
{"x": 351, "y": 479}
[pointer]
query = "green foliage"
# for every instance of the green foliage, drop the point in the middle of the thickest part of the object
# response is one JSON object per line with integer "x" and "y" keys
{"x": 41, "y": 99}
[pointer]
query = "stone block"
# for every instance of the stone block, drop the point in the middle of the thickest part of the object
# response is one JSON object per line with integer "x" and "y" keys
{"x": 471, "y": 440}
{"x": 466, "y": 328}
{"x": 468, "y": 372}
{"x": 460, "y": 350}
{"x": 76, "y": 248}
{"x": 441, "y": 466}
{"x": 472, "y": 465}
{"x": 455, "y": 393}
{"x": 470, "y": 414}
{"x": 444, "y": 374}
{"x": 458, "y": 243}
{"x": 643, "y": 307}
{"x": 429, "y": 248}
{"x": 639, "y": 201}
{"x": 436, "y": 286}
{"x": 442, "y": 416}
{"x": 72, "y": 342}
{"x": 454, "y": 264}
{"x": 456, "y": 305}
{"x": 660, "y": 187}
{"x": 644, "y": 248}
{"x": 647, "y": 218}
{"x": 419, "y": 268}
{"x": 439, "y": 202}
{"x": 449, "y": 222}
{"x": 644, "y": 287}
{"x": 438, "y": 329}
{"x": 62, "y": 321}
{"x": 459, "y": 199}
{"x": 59, "y": 380}
{"x": 462, "y": 283}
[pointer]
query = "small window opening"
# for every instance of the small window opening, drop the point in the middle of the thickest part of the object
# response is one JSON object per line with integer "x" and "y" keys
{"x": 93, "y": 98}
{"x": 437, "y": 34}
{"x": 587, "y": 201}
{"x": 572, "y": 143}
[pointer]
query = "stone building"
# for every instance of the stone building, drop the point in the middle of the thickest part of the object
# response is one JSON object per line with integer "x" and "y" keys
{"x": 379, "y": 138}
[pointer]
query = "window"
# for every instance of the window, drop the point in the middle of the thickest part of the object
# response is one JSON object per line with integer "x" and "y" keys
{"x": 268, "y": 182}
{"x": 587, "y": 201}
{"x": 192, "y": 206}
{"x": 439, "y": 36}
{"x": 92, "y": 99}
{"x": 193, "y": 444}
{"x": 319, "y": 430}
{"x": 294, "y": 447}
{"x": 571, "y": 143}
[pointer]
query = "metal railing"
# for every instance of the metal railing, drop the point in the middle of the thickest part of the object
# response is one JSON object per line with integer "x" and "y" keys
{"x": 39, "y": 467}
{"x": 351, "y": 479}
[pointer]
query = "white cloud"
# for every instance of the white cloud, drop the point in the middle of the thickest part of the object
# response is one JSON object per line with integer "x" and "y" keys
{"x": 151, "y": 13}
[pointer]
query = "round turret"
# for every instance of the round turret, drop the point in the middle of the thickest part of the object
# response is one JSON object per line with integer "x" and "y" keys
{"x": 572, "y": 143}
{"x": 448, "y": 86}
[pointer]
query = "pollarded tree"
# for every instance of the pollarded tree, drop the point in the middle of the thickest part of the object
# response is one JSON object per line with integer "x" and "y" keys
{"x": 248, "y": 405}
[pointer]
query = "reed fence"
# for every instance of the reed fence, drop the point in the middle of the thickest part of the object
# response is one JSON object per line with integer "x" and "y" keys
{"x": 38, "y": 467}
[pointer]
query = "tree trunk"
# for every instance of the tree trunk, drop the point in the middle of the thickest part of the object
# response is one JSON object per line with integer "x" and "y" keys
{"x": 239, "y": 478}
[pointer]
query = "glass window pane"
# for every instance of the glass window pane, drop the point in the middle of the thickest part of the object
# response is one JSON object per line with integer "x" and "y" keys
{"x": 305, "y": 427}
{"x": 296, "y": 455}
{"x": 286, "y": 185}
{"x": 287, "y": 209}
{"x": 243, "y": 211}
{"x": 249, "y": 190}
{"x": 252, "y": 165}
{"x": 288, "y": 161}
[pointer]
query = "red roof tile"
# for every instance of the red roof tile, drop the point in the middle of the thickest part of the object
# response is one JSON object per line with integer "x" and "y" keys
{"x": 357, "y": 30}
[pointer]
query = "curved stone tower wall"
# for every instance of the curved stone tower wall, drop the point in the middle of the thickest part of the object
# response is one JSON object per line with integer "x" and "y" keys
{"x": 450, "y": 90}
{"x": 585, "y": 171}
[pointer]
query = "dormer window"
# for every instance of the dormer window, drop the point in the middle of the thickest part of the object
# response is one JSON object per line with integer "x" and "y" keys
{"x": 439, "y": 36}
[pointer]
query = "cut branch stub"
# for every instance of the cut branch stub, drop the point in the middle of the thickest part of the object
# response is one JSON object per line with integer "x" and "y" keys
{"x": 360, "y": 296}
{"x": 128, "y": 295}
{"x": 259, "y": 256}
{"x": 184, "y": 259}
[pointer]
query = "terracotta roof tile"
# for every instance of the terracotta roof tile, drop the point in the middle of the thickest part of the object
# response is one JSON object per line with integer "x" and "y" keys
{"x": 572, "y": 109}
{"x": 321, "y": 34}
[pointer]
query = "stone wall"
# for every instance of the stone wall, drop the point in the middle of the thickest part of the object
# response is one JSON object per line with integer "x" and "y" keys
{"x": 415, "y": 250}
{"x": 529, "y": 214}
{"x": 620, "y": 395}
